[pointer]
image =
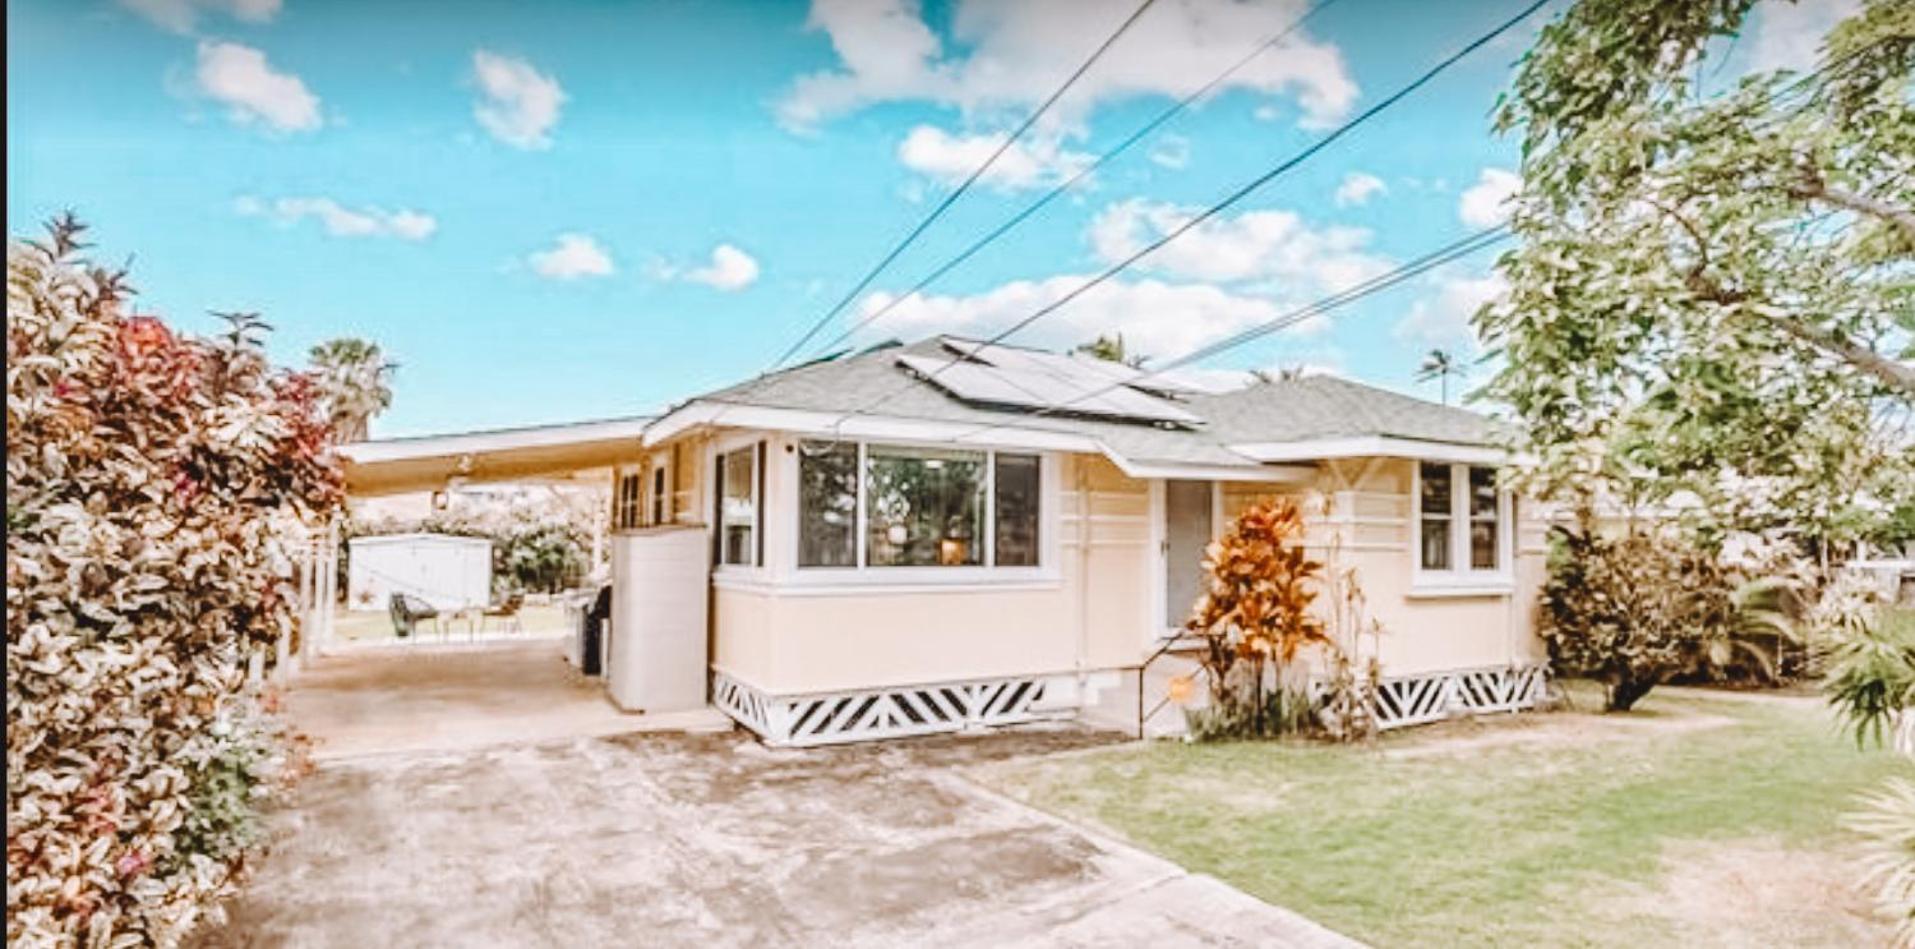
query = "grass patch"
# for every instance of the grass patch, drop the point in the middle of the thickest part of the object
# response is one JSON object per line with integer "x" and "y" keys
{"x": 1520, "y": 830}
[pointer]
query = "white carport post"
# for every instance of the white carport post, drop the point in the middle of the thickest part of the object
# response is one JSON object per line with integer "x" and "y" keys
{"x": 320, "y": 590}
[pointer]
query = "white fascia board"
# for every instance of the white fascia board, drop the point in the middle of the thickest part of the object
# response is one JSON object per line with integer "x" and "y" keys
{"x": 862, "y": 426}
{"x": 1375, "y": 446}
{"x": 1276, "y": 474}
{"x": 437, "y": 446}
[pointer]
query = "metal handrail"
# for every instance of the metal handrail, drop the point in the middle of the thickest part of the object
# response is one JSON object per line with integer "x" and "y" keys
{"x": 1143, "y": 670}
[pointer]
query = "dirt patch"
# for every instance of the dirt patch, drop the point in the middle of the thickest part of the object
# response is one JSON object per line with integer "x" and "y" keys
{"x": 1751, "y": 893}
{"x": 1543, "y": 731}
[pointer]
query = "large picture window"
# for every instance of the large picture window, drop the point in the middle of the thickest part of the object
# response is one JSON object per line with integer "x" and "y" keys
{"x": 1461, "y": 525}
{"x": 924, "y": 508}
{"x": 738, "y": 507}
{"x": 880, "y": 506}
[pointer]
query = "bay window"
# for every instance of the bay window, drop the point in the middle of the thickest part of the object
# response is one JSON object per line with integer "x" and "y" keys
{"x": 1462, "y": 526}
{"x": 880, "y": 506}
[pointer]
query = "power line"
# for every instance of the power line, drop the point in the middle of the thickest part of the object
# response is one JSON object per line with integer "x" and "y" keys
{"x": 1138, "y": 135}
{"x": 1448, "y": 253}
{"x": 1237, "y": 195}
{"x": 951, "y": 198}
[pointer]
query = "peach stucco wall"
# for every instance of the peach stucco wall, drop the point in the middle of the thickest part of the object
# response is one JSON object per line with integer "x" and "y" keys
{"x": 1095, "y": 604}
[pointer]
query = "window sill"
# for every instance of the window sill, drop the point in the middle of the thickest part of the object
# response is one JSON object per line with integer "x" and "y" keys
{"x": 1461, "y": 588}
{"x": 870, "y": 583}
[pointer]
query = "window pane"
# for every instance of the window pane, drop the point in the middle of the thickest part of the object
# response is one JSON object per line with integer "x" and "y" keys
{"x": 1436, "y": 489}
{"x": 1017, "y": 510}
{"x": 1482, "y": 545}
{"x": 827, "y": 504}
{"x": 737, "y": 511}
{"x": 1482, "y": 492}
{"x": 1436, "y": 543}
{"x": 924, "y": 507}
{"x": 1483, "y": 516}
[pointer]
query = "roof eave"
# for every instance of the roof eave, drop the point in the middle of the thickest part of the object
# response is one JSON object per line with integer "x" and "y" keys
{"x": 1376, "y": 446}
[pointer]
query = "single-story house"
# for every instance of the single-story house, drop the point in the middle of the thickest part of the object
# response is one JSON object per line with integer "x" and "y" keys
{"x": 926, "y": 537}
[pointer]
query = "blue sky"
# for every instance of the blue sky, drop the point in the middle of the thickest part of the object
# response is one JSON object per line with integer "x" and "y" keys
{"x": 558, "y": 211}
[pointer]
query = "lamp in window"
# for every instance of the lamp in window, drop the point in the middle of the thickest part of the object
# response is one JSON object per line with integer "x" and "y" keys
{"x": 954, "y": 548}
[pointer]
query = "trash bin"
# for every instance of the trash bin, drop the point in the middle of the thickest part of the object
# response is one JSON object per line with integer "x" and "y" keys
{"x": 592, "y": 629}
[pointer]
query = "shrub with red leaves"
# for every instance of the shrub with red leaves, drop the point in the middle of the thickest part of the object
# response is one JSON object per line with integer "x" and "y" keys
{"x": 156, "y": 484}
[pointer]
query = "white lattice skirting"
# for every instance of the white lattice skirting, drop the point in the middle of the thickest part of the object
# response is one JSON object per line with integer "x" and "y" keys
{"x": 1428, "y": 697}
{"x": 861, "y": 715}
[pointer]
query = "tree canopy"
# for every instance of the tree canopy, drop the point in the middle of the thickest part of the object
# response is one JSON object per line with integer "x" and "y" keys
{"x": 355, "y": 381}
{"x": 1714, "y": 295}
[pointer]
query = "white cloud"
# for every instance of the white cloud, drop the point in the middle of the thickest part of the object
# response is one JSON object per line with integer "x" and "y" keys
{"x": 240, "y": 77}
{"x": 1276, "y": 248}
{"x": 181, "y": 16}
{"x": 1444, "y": 318}
{"x": 948, "y": 158}
{"x": 730, "y": 270}
{"x": 518, "y": 104}
{"x": 1483, "y": 204}
{"x": 1172, "y": 152}
{"x": 571, "y": 257}
{"x": 1358, "y": 188}
{"x": 1016, "y": 51}
{"x": 1789, "y": 35}
{"x": 1159, "y": 319}
{"x": 341, "y": 221}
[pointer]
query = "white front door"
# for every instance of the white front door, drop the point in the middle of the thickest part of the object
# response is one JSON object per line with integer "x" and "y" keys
{"x": 1189, "y": 523}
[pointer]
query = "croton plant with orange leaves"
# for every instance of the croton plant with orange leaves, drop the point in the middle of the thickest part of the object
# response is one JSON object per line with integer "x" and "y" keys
{"x": 1256, "y": 611}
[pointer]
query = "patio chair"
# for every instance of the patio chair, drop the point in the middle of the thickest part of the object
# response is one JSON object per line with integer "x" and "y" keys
{"x": 407, "y": 611}
{"x": 506, "y": 612}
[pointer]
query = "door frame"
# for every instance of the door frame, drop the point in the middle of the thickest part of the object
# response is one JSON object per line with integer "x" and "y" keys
{"x": 1156, "y": 629}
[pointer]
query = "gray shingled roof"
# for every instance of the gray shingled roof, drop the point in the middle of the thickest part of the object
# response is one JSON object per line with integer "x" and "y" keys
{"x": 1307, "y": 409}
{"x": 1321, "y": 407}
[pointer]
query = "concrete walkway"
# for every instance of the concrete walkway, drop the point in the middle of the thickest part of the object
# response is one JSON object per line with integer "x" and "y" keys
{"x": 715, "y": 840}
{"x": 434, "y": 697}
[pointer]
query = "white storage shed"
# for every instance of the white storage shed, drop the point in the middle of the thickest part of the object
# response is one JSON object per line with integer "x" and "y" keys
{"x": 448, "y": 571}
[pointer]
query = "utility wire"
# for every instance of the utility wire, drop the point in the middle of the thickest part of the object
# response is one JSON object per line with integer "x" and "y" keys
{"x": 1213, "y": 210}
{"x": 1448, "y": 253}
{"x": 1136, "y": 136}
{"x": 951, "y": 198}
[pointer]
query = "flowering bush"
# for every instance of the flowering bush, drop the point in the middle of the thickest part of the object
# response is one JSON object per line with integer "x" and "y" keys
{"x": 154, "y": 485}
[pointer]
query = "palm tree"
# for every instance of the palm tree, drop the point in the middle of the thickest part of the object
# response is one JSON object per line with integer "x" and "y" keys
{"x": 355, "y": 382}
{"x": 1439, "y": 365}
{"x": 1111, "y": 349}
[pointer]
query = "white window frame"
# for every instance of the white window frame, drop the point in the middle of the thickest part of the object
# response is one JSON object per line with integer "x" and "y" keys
{"x": 716, "y": 462}
{"x": 1461, "y": 579}
{"x": 1044, "y": 573}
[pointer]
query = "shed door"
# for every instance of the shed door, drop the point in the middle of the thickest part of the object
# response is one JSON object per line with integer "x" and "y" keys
{"x": 1187, "y": 530}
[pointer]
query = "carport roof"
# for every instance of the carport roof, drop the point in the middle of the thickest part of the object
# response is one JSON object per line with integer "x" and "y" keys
{"x": 427, "y": 463}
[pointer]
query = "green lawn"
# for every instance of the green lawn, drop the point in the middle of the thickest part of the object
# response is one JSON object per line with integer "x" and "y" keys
{"x": 1700, "y": 818}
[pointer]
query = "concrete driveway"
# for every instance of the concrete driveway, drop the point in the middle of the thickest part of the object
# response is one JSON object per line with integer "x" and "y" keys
{"x": 408, "y": 697}
{"x": 711, "y": 840}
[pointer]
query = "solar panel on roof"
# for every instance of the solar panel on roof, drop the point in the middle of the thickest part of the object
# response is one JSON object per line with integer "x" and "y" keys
{"x": 1037, "y": 381}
